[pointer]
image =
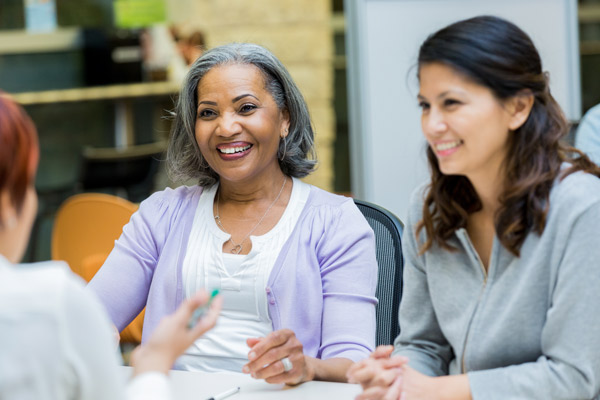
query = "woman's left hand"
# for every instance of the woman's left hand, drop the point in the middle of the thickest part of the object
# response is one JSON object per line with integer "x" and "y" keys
{"x": 267, "y": 359}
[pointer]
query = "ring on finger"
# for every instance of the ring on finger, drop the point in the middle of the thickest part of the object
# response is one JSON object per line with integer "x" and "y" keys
{"x": 287, "y": 364}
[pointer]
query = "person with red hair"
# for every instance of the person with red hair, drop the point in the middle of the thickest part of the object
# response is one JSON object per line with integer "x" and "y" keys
{"x": 55, "y": 339}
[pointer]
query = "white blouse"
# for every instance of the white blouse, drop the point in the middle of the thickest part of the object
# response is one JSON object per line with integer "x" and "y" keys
{"x": 241, "y": 279}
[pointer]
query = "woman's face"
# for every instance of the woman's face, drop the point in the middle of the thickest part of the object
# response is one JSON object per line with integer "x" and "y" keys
{"x": 466, "y": 126}
{"x": 238, "y": 125}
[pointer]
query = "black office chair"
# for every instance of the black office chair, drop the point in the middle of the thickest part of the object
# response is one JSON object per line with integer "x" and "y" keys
{"x": 131, "y": 168}
{"x": 388, "y": 240}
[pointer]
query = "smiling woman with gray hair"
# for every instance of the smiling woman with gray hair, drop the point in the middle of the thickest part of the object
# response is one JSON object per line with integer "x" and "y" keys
{"x": 295, "y": 264}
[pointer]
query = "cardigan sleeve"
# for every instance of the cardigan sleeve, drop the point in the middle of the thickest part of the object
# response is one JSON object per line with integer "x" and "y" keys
{"x": 123, "y": 282}
{"x": 349, "y": 278}
{"x": 421, "y": 338}
{"x": 569, "y": 366}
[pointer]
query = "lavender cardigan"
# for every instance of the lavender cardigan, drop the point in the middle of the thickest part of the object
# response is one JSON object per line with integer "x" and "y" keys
{"x": 322, "y": 285}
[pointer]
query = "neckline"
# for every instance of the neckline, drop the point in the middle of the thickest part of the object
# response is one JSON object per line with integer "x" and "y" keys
{"x": 214, "y": 228}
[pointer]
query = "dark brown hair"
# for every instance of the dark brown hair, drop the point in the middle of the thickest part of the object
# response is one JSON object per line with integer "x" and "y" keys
{"x": 498, "y": 55}
{"x": 19, "y": 151}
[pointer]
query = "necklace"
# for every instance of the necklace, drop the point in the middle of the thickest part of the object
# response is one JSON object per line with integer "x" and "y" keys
{"x": 237, "y": 247}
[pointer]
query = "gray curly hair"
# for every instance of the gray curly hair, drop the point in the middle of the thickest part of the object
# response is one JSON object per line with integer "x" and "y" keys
{"x": 296, "y": 152}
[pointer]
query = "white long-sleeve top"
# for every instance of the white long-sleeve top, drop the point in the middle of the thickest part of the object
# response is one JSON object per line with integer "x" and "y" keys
{"x": 56, "y": 341}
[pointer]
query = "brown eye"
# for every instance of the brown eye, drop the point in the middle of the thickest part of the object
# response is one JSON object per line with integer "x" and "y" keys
{"x": 207, "y": 113}
{"x": 246, "y": 108}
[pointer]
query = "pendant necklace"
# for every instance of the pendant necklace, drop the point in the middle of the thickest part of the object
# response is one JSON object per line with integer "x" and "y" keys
{"x": 237, "y": 247}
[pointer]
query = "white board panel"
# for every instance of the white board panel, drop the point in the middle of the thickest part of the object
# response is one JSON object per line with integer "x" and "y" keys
{"x": 383, "y": 37}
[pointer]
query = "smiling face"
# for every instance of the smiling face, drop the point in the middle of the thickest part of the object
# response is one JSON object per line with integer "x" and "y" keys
{"x": 466, "y": 126}
{"x": 238, "y": 125}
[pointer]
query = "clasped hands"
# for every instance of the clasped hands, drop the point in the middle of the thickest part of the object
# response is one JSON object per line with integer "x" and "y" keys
{"x": 385, "y": 378}
{"x": 267, "y": 359}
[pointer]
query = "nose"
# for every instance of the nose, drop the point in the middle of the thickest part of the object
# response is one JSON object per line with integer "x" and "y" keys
{"x": 229, "y": 125}
{"x": 433, "y": 123}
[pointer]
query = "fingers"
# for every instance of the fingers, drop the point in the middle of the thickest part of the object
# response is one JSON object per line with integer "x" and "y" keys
{"x": 362, "y": 372}
{"x": 187, "y": 307}
{"x": 373, "y": 393}
{"x": 382, "y": 351}
{"x": 266, "y": 354}
{"x": 209, "y": 319}
{"x": 273, "y": 339}
{"x": 276, "y": 373}
{"x": 395, "y": 362}
{"x": 395, "y": 390}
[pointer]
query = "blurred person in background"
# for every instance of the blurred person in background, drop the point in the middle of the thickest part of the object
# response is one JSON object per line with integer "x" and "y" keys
{"x": 500, "y": 297}
{"x": 587, "y": 138}
{"x": 295, "y": 264}
{"x": 56, "y": 341}
{"x": 192, "y": 46}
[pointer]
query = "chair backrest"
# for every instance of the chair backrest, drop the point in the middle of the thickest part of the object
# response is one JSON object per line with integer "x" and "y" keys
{"x": 85, "y": 229}
{"x": 131, "y": 168}
{"x": 84, "y": 233}
{"x": 388, "y": 240}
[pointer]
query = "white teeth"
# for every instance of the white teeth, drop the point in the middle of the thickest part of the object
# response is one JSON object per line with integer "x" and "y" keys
{"x": 232, "y": 150}
{"x": 447, "y": 145}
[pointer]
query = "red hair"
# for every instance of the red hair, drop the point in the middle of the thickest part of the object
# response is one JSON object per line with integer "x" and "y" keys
{"x": 19, "y": 151}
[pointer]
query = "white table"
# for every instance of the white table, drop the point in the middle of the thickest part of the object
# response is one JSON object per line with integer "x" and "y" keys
{"x": 200, "y": 386}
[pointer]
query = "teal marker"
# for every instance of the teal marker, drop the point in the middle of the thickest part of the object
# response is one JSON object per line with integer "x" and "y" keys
{"x": 200, "y": 311}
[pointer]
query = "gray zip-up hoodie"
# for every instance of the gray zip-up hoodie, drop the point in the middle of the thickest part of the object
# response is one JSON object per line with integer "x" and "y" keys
{"x": 529, "y": 327}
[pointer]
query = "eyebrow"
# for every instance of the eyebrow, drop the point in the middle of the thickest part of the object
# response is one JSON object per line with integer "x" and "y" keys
{"x": 441, "y": 95}
{"x": 212, "y": 103}
{"x": 242, "y": 96}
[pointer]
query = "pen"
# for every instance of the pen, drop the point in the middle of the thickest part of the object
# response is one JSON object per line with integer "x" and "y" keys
{"x": 200, "y": 311}
{"x": 225, "y": 394}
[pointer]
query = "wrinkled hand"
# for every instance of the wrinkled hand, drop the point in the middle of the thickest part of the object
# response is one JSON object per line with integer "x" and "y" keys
{"x": 379, "y": 375}
{"x": 172, "y": 336}
{"x": 265, "y": 358}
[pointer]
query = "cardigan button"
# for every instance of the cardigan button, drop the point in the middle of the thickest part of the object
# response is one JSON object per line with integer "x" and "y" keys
{"x": 268, "y": 290}
{"x": 272, "y": 301}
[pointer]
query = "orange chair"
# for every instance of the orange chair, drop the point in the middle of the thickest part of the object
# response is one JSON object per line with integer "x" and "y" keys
{"x": 85, "y": 229}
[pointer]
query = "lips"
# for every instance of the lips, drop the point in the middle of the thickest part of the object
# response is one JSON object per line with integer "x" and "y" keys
{"x": 447, "y": 148}
{"x": 233, "y": 151}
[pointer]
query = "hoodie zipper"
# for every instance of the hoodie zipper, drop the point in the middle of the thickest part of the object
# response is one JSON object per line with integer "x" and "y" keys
{"x": 485, "y": 276}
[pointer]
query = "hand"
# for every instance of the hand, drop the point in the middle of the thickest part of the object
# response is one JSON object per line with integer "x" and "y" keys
{"x": 265, "y": 358}
{"x": 172, "y": 336}
{"x": 379, "y": 375}
{"x": 417, "y": 386}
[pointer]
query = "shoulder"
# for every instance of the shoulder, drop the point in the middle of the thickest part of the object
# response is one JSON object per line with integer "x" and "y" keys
{"x": 171, "y": 201}
{"x": 578, "y": 190}
{"x": 43, "y": 285}
{"x": 572, "y": 197}
{"x": 592, "y": 116}
{"x": 48, "y": 276}
{"x": 322, "y": 198}
{"x": 170, "y": 196}
{"x": 333, "y": 210}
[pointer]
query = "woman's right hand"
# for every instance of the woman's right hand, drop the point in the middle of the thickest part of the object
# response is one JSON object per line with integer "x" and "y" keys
{"x": 379, "y": 375}
{"x": 172, "y": 336}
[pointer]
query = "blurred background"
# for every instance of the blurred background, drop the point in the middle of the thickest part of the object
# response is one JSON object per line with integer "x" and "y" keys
{"x": 99, "y": 77}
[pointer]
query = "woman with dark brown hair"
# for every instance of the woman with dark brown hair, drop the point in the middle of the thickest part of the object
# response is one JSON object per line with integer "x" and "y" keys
{"x": 501, "y": 296}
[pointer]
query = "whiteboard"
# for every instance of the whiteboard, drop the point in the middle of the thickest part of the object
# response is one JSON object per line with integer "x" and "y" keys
{"x": 387, "y": 149}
